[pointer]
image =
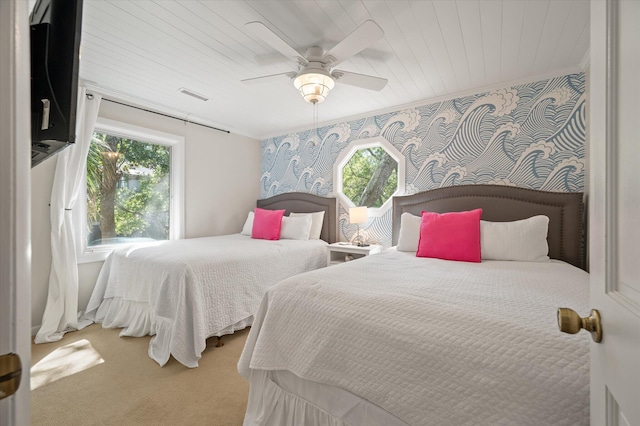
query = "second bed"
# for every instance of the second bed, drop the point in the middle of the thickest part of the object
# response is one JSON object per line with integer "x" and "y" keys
{"x": 396, "y": 339}
{"x": 182, "y": 292}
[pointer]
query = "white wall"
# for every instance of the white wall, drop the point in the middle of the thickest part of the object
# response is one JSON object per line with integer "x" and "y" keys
{"x": 222, "y": 176}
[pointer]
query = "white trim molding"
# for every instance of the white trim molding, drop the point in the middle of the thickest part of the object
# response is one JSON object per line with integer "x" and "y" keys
{"x": 346, "y": 155}
{"x": 177, "y": 212}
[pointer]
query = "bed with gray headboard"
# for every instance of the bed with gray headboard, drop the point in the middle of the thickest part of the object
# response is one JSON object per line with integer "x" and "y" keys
{"x": 397, "y": 339}
{"x": 302, "y": 202}
{"x": 507, "y": 203}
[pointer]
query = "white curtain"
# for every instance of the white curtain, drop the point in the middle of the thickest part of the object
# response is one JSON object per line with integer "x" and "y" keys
{"x": 61, "y": 312}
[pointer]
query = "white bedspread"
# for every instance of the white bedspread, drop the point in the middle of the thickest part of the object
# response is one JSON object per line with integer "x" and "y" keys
{"x": 433, "y": 342}
{"x": 185, "y": 291}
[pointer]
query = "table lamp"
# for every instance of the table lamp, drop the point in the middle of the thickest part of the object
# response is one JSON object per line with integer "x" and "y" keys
{"x": 358, "y": 215}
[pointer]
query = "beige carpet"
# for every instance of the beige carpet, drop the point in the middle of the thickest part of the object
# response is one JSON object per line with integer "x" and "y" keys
{"x": 121, "y": 385}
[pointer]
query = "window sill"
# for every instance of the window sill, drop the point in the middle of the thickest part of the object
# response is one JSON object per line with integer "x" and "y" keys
{"x": 97, "y": 255}
{"x": 100, "y": 253}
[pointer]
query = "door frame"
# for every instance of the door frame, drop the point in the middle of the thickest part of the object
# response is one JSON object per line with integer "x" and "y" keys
{"x": 15, "y": 211}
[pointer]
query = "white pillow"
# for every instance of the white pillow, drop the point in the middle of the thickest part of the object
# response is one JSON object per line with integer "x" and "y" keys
{"x": 248, "y": 225}
{"x": 295, "y": 228}
{"x": 409, "y": 232}
{"x": 316, "y": 223}
{"x": 523, "y": 240}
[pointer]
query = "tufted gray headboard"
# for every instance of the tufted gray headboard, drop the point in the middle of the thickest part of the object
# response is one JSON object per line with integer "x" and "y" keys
{"x": 302, "y": 202}
{"x": 507, "y": 203}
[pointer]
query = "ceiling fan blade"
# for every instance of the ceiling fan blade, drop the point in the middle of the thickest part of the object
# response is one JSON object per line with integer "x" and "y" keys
{"x": 360, "y": 80}
{"x": 264, "y": 33}
{"x": 362, "y": 37}
{"x": 270, "y": 59}
{"x": 267, "y": 78}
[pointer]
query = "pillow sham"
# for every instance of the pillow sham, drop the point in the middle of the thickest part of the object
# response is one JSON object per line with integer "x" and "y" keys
{"x": 267, "y": 224}
{"x": 317, "y": 219}
{"x": 295, "y": 228}
{"x": 450, "y": 236}
{"x": 248, "y": 225}
{"x": 409, "y": 232}
{"x": 522, "y": 240}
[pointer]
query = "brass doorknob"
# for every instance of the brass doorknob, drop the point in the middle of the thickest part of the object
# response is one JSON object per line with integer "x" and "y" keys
{"x": 10, "y": 374}
{"x": 570, "y": 322}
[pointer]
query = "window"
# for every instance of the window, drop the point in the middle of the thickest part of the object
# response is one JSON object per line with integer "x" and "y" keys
{"x": 368, "y": 173}
{"x": 370, "y": 177}
{"x": 133, "y": 189}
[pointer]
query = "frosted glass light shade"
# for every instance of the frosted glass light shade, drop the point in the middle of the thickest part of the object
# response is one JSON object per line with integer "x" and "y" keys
{"x": 358, "y": 215}
{"x": 314, "y": 87}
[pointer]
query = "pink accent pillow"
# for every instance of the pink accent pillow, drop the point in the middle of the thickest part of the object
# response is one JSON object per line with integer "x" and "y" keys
{"x": 450, "y": 236}
{"x": 267, "y": 224}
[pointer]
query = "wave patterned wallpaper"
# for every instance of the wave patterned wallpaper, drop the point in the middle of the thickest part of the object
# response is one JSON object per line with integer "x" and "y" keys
{"x": 531, "y": 135}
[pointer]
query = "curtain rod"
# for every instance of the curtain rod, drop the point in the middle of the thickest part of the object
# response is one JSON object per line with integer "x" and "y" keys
{"x": 165, "y": 115}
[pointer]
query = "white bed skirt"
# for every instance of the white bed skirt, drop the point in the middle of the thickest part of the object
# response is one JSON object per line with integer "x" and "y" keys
{"x": 160, "y": 344}
{"x": 136, "y": 319}
{"x": 280, "y": 398}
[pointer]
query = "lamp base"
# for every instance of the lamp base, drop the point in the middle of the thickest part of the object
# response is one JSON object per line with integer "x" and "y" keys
{"x": 359, "y": 241}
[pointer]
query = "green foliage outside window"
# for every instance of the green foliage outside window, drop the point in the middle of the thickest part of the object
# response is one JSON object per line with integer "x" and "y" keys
{"x": 128, "y": 190}
{"x": 370, "y": 177}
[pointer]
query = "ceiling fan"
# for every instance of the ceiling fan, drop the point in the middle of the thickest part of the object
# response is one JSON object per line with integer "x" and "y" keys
{"x": 316, "y": 73}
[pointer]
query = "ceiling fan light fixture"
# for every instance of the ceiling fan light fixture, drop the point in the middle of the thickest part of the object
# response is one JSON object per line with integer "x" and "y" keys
{"x": 314, "y": 86}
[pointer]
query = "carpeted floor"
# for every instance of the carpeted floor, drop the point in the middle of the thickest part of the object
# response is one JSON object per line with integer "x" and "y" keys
{"x": 95, "y": 377}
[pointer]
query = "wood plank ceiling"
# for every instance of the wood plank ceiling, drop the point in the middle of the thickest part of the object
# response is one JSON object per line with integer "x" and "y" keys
{"x": 142, "y": 52}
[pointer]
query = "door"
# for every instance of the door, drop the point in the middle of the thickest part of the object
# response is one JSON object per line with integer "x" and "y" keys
{"x": 15, "y": 173}
{"x": 614, "y": 208}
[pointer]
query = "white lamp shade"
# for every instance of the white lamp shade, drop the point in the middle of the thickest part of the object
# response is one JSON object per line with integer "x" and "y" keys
{"x": 314, "y": 86}
{"x": 358, "y": 214}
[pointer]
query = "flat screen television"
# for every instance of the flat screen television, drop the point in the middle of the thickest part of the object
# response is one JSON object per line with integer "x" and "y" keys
{"x": 56, "y": 28}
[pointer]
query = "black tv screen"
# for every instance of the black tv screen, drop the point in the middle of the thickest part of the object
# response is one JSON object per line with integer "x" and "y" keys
{"x": 56, "y": 29}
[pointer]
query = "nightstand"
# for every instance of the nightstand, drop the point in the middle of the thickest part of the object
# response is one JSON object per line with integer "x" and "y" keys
{"x": 340, "y": 252}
